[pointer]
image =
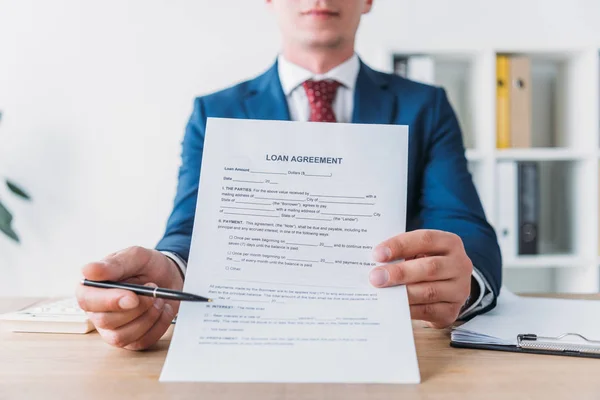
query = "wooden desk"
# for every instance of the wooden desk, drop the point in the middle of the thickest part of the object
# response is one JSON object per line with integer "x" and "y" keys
{"x": 50, "y": 366}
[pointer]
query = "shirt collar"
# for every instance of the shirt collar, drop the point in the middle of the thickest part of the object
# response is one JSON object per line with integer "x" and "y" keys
{"x": 292, "y": 75}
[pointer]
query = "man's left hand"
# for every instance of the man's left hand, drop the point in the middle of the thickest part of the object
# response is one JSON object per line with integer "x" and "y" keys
{"x": 436, "y": 271}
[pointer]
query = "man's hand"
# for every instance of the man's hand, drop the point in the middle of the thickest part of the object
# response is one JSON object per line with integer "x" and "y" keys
{"x": 436, "y": 272}
{"x": 123, "y": 318}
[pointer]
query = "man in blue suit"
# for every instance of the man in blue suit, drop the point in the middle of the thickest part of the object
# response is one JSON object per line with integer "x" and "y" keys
{"x": 451, "y": 261}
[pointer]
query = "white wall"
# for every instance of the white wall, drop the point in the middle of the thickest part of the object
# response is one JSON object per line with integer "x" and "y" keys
{"x": 96, "y": 95}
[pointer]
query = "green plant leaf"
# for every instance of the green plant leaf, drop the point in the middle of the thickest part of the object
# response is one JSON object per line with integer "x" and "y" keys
{"x": 17, "y": 190}
{"x": 6, "y": 223}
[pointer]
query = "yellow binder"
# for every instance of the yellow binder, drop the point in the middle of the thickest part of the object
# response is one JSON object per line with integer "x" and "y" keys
{"x": 503, "y": 102}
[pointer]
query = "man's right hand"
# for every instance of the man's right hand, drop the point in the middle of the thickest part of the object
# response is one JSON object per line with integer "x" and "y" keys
{"x": 123, "y": 318}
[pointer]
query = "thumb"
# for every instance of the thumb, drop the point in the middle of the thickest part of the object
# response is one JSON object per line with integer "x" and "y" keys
{"x": 98, "y": 271}
{"x": 118, "y": 266}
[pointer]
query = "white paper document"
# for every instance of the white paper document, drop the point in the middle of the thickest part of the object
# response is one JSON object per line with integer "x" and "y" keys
{"x": 547, "y": 317}
{"x": 287, "y": 217}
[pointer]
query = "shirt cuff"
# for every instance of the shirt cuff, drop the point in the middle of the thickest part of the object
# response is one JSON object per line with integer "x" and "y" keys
{"x": 177, "y": 260}
{"x": 486, "y": 296}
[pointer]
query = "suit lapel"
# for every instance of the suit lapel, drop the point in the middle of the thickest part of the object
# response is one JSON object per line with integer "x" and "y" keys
{"x": 373, "y": 102}
{"x": 265, "y": 98}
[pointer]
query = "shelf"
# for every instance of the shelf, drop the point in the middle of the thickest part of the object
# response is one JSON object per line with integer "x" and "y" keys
{"x": 546, "y": 261}
{"x": 562, "y": 108}
{"x": 541, "y": 154}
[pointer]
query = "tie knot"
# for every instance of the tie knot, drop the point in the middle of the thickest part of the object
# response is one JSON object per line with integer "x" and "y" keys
{"x": 321, "y": 95}
{"x": 323, "y": 91}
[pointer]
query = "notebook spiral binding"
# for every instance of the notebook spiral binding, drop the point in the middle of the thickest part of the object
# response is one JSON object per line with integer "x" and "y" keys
{"x": 535, "y": 342}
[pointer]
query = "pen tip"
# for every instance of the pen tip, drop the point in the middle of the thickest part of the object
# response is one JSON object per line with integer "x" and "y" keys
{"x": 210, "y": 300}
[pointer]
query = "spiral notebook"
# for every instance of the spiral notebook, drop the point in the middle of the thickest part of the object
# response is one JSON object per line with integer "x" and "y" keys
{"x": 534, "y": 325}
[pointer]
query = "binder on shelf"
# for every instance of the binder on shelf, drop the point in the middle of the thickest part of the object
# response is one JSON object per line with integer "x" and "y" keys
{"x": 534, "y": 325}
{"x": 503, "y": 137}
{"x": 528, "y": 208}
{"x": 520, "y": 102}
{"x": 401, "y": 65}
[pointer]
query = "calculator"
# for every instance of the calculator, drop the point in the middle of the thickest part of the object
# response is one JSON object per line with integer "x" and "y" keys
{"x": 51, "y": 316}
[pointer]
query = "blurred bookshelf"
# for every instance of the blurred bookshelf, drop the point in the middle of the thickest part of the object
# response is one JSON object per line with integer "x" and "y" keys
{"x": 531, "y": 124}
{"x": 541, "y": 154}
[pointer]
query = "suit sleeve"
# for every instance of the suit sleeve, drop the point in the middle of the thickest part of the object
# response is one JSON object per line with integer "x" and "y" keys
{"x": 449, "y": 200}
{"x": 178, "y": 234}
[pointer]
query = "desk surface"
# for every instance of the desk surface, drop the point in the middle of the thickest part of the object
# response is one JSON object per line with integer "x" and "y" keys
{"x": 50, "y": 366}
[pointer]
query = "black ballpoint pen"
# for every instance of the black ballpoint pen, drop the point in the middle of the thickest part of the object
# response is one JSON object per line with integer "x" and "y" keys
{"x": 142, "y": 290}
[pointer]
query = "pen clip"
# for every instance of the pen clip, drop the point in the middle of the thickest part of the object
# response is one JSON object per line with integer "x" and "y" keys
{"x": 535, "y": 342}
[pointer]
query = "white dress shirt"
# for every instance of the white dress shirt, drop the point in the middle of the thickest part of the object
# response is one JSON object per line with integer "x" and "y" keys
{"x": 292, "y": 76}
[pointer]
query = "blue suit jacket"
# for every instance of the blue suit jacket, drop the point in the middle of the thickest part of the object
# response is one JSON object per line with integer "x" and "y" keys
{"x": 441, "y": 193}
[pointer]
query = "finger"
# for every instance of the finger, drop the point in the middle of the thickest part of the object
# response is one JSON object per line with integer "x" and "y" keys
{"x": 439, "y": 315}
{"x": 114, "y": 320}
{"x": 156, "y": 332}
{"x": 449, "y": 291}
{"x": 412, "y": 244}
{"x": 135, "y": 329}
{"x": 118, "y": 266}
{"x": 413, "y": 271}
{"x": 106, "y": 300}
